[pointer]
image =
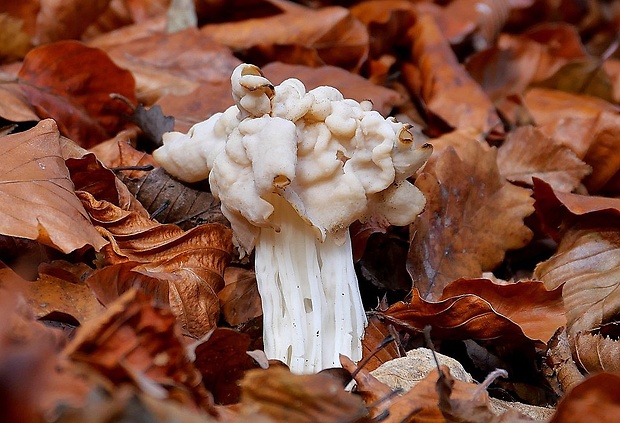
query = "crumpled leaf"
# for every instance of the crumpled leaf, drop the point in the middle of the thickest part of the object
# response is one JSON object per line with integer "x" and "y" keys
{"x": 375, "y": 333}
{"x": 597, "y": 398}
{"x": 449, "y": 93}
{"x": 597, "y": 352}
{"x": 329, "y": 35}
{"x": 153, "y": 123}
{"x": 480, "y": 22}
{"x": 138, "y": 342}
{"x": 191, "y": 262}
{"x": 472, "y": 217}
{"x": 38, "y": 201}
{"x": 72, "y": 83}
{"x": 223, "y": 360}
{"x": 528, "y": 153}
{"x": 283, "y": 396}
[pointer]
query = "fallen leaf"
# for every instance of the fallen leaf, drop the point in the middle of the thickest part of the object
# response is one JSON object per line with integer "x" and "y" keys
{"x": 330, "y": 33}
{"x": 79, "y": 101}
{"x": 554, "y": 208}
{"x": 466, "y": 316}
{"x": 597, "y": 353}
{"x": 153, "y": 123}
{"x": 539, "y": 312}
{"x": 172, "y": 201}
{"x": 587, "y": 264}
{"x": 448, "y": 92}
{"x": 137, "y": 342}
{"x": 14, "y": 41}
{"x": 52, "y": 298}
{"x": 223, "y": 360}
{"x": 192, "y": 262}
{"x": 478, "y": 22}
{"x": 14, "y": 105}
{"x": 37, "y": 195}
{"x": 374, "y": 335}
{"x": 283, "y": 396}
{"x": 528, "y": 153}
{"x": 472, "y": 217}
{"x": 239, "y": 299}
{"x": 597, "y": 398}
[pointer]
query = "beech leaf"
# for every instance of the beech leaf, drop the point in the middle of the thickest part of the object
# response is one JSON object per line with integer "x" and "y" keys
{"x": 72, "y": 83}
{"x": 38, "y": 201}
{"x": 528, "y": 153}
{"x": 472, "y": 217}
{"x": 192, "y": 262}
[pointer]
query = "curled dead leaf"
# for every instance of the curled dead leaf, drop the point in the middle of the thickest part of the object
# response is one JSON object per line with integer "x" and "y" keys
{"x": 192, "y": 262}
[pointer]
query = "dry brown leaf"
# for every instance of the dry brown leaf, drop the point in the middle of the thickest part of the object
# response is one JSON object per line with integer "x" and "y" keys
{"x": 137, "y": 342}
{"x": 587, "y": 263}
{"x": 330, "y": 34}
{"x": 239, "y": 299}
{"x": 465, "y": 316}
{"x": 480, "y": 22}
{"x": 283, "y": 396}
{"x": 53, "y": 298}
{"x": 596, "y": 399}
{"x": 374, "y": 334}
{"x": 61, "y": 19}
{"x": 557, "y": 208}
{"x": 597, "y": 353}
{"x": 169, "y": 64}
{"x": 528, "y": 153}
{"x": 14, "y": 105}
{"x": 192, "y": 262}
{"x": 446, "y": 88}
{"x": 223, "y": 360}
{"x": 38, "y": 201}
{"x": 472, "y": 217}
{"x": 538, "y": 312}
{"x": 14, "y": 41}
{"x": 72, "y": 83}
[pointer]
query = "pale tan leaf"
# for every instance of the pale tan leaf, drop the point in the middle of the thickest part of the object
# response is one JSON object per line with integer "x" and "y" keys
{"x": 36, "y": 195}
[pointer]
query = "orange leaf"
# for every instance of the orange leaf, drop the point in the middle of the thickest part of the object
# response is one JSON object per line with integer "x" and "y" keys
{"x": 192, "y": 262}
{"x": 446, "y": 88}
{"x": 37, "y": 195}
{"x": 72, "y": 83}
{"x": 472, "y": 217}
{"x": 596, "y": 399}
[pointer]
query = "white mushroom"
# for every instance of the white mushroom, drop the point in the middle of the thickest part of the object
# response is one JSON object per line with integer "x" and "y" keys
{"x": 293, "y": 169}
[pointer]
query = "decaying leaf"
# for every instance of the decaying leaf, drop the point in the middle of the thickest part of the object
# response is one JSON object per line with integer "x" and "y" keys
{"x": 38, "y": 201}
{"x": 239, "y": 299}
{"x": 597, "y": 398}
{"x": 79, "y": 101}
{"x": 587, "y": 263}
{"x": 137, "y": 342}
{"x": 284, "y": 396}
{"x": 329, "y": 35}
{"x": 448, "y": 91}
{"x": 223, "y": 360}
{"x": 191, "y": 262}
{"x": 528, "y": 153}
{"x": 472, "y": 217}
{"x": 375, "y": 334}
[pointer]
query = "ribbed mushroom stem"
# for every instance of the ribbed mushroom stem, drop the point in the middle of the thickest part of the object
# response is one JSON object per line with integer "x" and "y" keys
{"x": 312, "y": 309}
